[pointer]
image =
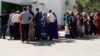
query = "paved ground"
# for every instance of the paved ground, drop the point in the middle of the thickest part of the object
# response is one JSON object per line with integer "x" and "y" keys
{"x": 87, "y": 46}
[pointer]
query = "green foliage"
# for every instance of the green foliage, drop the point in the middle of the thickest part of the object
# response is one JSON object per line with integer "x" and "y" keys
{"x": 88, "y": 5}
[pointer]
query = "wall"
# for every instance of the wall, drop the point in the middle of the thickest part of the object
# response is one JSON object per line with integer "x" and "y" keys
{"x": 25, "y": 2}
{"x": 54, "y": 5}
{"x": 58, "y": 6}
{"x": 71, "y": 4}
{"x": 13, "y": 1}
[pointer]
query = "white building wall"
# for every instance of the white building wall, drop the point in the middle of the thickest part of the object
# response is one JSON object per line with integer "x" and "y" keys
{"x": 17, "y": 1}
{"x": 71, "y": 4}
{"x": 54, "y": 5}
{"x": 25, "y": 2}
{"x": 58, "y": 6}
{"x": 13, "y": 1}
{"x": 63, "y": 11}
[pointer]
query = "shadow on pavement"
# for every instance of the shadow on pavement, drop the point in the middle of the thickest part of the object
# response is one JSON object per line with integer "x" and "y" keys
{"x": 62, "y": 39}
{"x": 89, "y": 38}
{"x": 50, "y": 43}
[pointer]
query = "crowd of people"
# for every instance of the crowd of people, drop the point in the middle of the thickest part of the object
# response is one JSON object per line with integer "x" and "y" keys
{"x": 81, "y": 24}
{"x": 27, "y": 26}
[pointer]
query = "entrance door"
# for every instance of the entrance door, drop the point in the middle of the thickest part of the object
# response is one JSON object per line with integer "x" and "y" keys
{"x": 10, "y": 6}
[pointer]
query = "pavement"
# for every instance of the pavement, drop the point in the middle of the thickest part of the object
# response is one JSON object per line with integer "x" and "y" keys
{"x": 85, "y": 46}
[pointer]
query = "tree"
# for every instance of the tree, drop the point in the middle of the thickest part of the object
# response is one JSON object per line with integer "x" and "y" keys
{"x": 88, "y": 5}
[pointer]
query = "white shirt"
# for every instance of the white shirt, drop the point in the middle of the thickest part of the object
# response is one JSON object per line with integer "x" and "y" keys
{"x": 16, "y": 18}
{"x": 10, "y": 17}
{"x": 51, "y": 17}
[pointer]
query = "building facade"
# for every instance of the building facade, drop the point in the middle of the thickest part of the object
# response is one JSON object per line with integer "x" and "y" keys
{"x": 57, "y": 6}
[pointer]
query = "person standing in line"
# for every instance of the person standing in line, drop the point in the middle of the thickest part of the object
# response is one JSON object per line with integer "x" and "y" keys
{"x": 44, "y": 26}
{"x": 73, "y": 24}
{"x": 4, "y": 21}
{"x": 31, "y": 25}
{"x": 67, "y": 23}
{"x": 85, "y": 30}
{"x": 51, "y": 19}
{"x": 26, "y": 18}
{"x": 88, "y": 24}
{"x": 16, "y": 20}
{"x": 38, "y": 17}
{"x": 55, "y": 27}
{"x": 98, "y": 23}
{"x": 10, "y": 24}
{"x": 92, "y": 24}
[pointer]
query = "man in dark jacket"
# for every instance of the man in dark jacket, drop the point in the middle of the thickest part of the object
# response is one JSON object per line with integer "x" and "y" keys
{"x": 4, "y": 20}
{"x": 38, "y": 17}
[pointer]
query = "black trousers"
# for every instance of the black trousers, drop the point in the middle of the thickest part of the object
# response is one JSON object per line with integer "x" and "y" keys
{"x": 25, "y": 32}
{"x": 50, "y": 30}
{"x": 11, "y": 31}
{"x": 16, "y": 31}
{"x": 38, "y": 31}
{"x": 93, "y": 29}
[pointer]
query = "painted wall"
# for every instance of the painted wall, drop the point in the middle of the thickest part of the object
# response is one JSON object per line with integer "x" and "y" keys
{"x": 71, "y": 4}
{"x": 13, "y": 1}
{"x": 58, "y": 6}
{"x": 54, "y": 5}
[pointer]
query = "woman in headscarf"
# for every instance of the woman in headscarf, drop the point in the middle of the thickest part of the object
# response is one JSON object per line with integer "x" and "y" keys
{"x": 66, "y": 23}
{"x": 44, "y": 26}
{"x": 55, "y": 27}
{"x": 92, "y": 24}
{"x": 98, "y": 23}
{"x": 79, "y": 25}
{"x": 73, "y": 25}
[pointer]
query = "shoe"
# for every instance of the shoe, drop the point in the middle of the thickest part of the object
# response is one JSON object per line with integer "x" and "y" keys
{"x": 27, "y": 42}
{"x": 38, "y": 39}
{"x": 22, "y": 41}
{"x": 4, "y": 38}
{"x": 50, "y": 39}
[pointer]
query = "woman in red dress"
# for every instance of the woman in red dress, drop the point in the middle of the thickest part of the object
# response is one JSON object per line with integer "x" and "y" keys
{"x": 98, "y": 23}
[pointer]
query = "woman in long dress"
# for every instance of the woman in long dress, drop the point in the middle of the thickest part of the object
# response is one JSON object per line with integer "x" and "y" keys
{"x": 67, "y": 22}
{"x": 55, "y": 27}
{"x": 44, "y": 26}
{"x": 73, "y": 25}
{"x": 98, "y": 23}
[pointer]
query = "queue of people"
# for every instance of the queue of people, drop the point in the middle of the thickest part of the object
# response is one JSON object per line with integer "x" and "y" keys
{"x": 81, "y": 24}
{"x": 26, "y": 25}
